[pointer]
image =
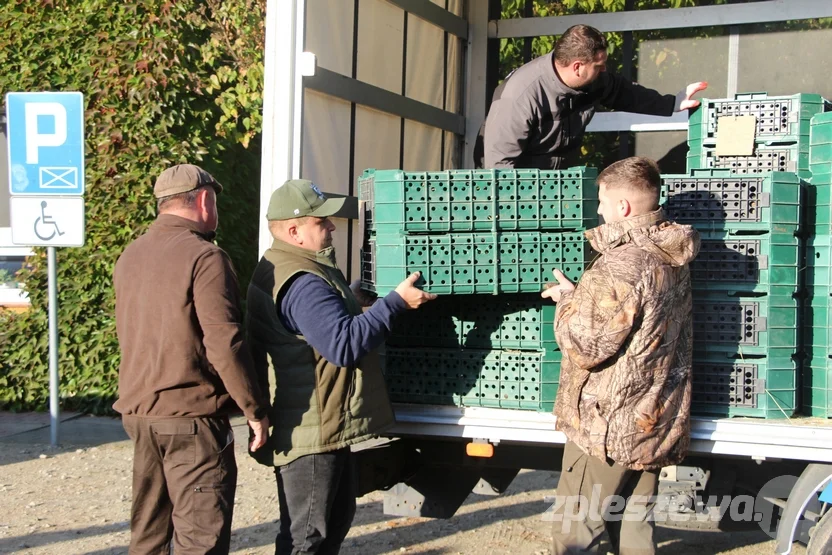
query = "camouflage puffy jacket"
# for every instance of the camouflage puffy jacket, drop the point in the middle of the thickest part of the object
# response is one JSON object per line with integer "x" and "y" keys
{"x": 626, "y": 337}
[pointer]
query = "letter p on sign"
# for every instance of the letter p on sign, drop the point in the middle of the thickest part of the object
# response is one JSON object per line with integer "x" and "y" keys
{"x": 34, "y": 138}
{"x": 46, "y": 143}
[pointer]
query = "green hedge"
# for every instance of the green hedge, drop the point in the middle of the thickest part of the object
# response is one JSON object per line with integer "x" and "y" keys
{"x": 164, "y": 82}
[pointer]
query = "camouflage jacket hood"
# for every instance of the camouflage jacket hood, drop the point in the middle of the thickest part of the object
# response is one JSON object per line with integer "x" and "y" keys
{"x": 626, "y": 337}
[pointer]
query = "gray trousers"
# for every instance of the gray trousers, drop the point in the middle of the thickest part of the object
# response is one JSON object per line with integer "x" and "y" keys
{"x": 316, "y": 494}
{"x": 595, "y": 495}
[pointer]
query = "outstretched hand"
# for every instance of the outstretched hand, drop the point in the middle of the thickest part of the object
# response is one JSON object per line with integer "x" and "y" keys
{"x": 412, "y": 295}
{"x": 555, "y": 291}
{"x": 685, "y": 100}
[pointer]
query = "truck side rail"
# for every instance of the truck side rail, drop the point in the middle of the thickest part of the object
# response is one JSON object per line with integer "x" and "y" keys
{"x": 806, "y": 439}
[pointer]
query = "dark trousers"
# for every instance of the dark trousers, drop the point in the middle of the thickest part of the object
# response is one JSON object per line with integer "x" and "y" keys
{"x": 316, "y": 494}
{"x": 594, "y": 495}
{"x": 184, "y": 480}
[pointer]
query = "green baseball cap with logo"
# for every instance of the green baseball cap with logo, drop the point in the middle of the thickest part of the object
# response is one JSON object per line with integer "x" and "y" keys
{"x": 300, "y": 197}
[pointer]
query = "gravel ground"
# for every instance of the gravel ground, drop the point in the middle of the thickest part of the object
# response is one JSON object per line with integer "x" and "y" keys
{"x": 77, "y": 500}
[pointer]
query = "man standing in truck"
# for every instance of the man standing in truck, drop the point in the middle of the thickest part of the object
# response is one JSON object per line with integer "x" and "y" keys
{"x": 625, "y": 332}
{"x": 310, "y": 337}
{"x": 540, "y": 111}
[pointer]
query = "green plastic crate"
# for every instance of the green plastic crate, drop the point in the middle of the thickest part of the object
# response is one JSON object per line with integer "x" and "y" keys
{"x": 732, "y": 385}
{"x": 524, "y": 321}
{"x": 818, "y": 278}
{"x": 718, "y": 200}
{"x": 779, "y": 118}
{"x": 817, "y": 329}
{"x": 822, "y": 176}
{"x": 819, "y": 200}
{"x": 748, "y": 262}
{"x": 782, "y": 158}
{"x": 524, "y": 380}
{"x": 817, "y": 322}
{"x": 746, "y": 325}
{"x": 820, "y": 131}
{"x": 818, "y": 263}
{"x": 817, "y": 386}
{"x": 485, "y": 200}
{"x": 820, "y": 154}
{"x": 471, "y": 263}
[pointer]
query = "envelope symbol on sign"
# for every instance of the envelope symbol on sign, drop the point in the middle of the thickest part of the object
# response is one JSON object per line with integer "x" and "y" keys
{"x": 59, "y": 178}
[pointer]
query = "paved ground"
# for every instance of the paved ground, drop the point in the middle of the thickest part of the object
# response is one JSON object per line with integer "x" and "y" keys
{"x": 76, "y": 499}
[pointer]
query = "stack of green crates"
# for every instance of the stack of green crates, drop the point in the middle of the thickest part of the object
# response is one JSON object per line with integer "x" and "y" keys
{"x": 488, "y": 231}
{"x": 817, "y": 366}
{"x": 748, "y": 278}
{"x": 781, "y": 134}
{"x": 745, "y": 285}
{"x": 486, "y": 241}
{"x": 491, "y": 351}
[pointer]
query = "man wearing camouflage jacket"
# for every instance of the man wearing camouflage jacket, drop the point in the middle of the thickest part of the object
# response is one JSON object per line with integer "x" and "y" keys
{"x": 625, "y": 332}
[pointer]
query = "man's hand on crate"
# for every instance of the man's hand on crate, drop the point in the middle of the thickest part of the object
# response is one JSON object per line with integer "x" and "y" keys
{"x": 555, "y": 291}
{"x": 412, "y": 295}
{"x": 685, "y": 100}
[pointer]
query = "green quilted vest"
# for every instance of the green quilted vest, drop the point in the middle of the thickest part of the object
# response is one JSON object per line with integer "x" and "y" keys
{"x": 316, "y": 406}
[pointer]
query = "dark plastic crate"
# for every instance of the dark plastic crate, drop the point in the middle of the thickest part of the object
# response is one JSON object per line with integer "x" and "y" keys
{"x": 746, "y": 325}
{"x": 748, "y": 262}
{"x": 525, "y": 380}
{"x": 733, "y": 385}
{"x": 523, "y": 321}
{"x": 717, "y": 200}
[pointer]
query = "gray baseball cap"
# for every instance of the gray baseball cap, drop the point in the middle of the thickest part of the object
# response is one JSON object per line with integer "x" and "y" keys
{"x": 183, "y": 178}
{"x": 300, "y": 197}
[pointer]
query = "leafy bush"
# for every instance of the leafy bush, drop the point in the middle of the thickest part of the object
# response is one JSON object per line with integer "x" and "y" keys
{"x": 164, "y": 82}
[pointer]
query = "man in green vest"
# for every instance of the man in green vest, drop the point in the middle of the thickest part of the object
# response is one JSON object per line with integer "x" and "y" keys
{"x": 312, "y": 340}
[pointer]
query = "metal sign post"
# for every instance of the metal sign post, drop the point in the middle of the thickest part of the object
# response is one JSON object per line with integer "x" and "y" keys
{"x": 54, "y": 393}
{"x": 46, "y": 181}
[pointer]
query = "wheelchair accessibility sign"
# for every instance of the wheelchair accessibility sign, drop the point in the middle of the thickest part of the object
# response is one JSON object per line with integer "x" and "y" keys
{"x": 47, "y": 221}
{"x": 46, "y": 143}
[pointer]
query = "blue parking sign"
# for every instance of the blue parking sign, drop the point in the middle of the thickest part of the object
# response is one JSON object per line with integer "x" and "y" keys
{"x": 46, "y": 143}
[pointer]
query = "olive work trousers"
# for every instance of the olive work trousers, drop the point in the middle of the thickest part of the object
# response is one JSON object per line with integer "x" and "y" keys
{"x": 595, "y": 495}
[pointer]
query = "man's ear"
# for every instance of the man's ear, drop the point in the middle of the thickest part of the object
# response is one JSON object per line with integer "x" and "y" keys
{"x": 624, "y": 208}
{"x": 576, "y": 67}
{"x": 292, "y": 232}
{"x": 202, "y": 200}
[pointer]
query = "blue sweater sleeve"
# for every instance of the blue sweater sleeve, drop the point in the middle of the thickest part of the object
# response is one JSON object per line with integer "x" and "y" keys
{"x": 312, "y": 308}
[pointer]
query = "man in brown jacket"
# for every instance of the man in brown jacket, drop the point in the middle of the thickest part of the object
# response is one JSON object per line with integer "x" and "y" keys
{"x": 625, "y": 332}
{"x": 184, "y": 368}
